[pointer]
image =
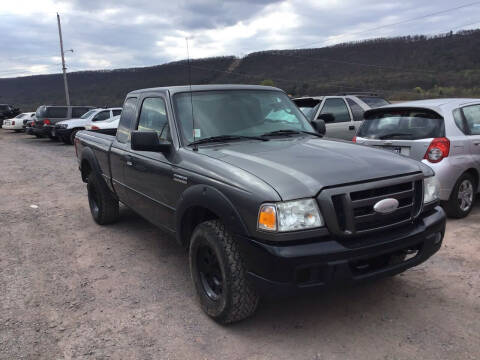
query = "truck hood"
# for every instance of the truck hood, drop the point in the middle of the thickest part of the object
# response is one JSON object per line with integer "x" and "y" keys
{"x": 300, "y": 167}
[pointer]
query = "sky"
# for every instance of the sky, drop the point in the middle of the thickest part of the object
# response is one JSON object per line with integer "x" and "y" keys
{"x": 110, "y": 34}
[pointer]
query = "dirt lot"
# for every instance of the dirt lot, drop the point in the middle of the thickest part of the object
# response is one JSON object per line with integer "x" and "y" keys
{"x": 70, "y": 289}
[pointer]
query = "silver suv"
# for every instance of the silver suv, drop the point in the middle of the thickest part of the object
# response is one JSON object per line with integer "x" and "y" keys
{"x": 342, "y": 113}
{"x": 442, "y": 133}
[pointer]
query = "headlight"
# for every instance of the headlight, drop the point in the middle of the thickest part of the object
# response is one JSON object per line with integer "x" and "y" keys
{"x": 62, "y": 126}
{"x": 290, "y": 216}
{"x": 431, "y": 189}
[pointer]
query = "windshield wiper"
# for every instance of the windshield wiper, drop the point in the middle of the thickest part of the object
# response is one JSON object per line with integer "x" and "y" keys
{"x": 221, "y": 138}
{"x": 388, "y": 136}
{"x": 291, "y": 132}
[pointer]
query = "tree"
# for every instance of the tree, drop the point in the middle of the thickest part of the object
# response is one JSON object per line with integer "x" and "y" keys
{"x": 267, "y": 82}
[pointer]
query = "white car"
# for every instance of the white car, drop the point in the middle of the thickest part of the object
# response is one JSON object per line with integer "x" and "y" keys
{"x": 67, "y": 129}
{"x": 106, "y": 127}
{"x": 17, "y": 122}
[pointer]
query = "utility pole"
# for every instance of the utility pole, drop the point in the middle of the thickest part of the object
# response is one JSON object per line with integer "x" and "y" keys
{"x": 67, "y": 96}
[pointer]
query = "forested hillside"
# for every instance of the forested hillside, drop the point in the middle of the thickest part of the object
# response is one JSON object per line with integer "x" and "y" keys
{"x": 400, "y": 68}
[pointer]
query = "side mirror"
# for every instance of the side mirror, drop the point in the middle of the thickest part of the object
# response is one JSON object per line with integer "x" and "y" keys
{"x": 149, "y": 141}
{"x": 319, "y": 126}
{"x": 328, "y": 118}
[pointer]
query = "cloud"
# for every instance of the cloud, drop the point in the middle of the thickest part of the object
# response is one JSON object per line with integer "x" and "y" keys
{"x": 128, "y": 33}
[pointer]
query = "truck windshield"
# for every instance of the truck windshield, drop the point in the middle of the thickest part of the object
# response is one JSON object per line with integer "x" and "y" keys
{"x": 236, "y": 112}
{"x": 87, "y": 114}
{"x": 404, "y": 124}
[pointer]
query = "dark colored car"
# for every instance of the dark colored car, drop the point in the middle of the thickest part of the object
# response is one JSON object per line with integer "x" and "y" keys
{"x": 264, "y": 204}
{"x": 48, "y": 115}
{"x": 7, "y": 111}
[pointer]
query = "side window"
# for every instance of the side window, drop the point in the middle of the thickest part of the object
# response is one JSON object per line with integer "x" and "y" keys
{"x": 153, "y": 117}
{"x": 79, "y": 111}
{"x": 357, "y": 110}
{"x": 337, "y": 108}
{"x": 472, "y": 118}
{"x": 102, "y": 115}
{"x": 457, "y": 117}
{"x": 126, "y": 119}
{"x": 57, "y": 112}
{"x": 116, "y": 112}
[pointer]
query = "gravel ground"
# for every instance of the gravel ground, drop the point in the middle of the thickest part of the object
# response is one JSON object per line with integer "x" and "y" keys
{"x": 70, "y": 289}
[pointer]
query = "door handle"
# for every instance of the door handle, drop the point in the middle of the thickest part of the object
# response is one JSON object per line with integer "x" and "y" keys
{"x": 476, "y": 143}
{"x": 351, "y": 127}
{"x": 128, "y": 160}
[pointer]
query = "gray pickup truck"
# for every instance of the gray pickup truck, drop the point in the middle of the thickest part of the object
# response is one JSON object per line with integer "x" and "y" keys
{"x": 264, "y": 204}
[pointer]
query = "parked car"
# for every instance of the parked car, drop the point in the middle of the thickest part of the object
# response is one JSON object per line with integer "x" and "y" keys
{"x": 342, "y": 113}
{"x": 265, "y": 206}
{"x": 442, "y": 133}
{"x": 48, "y": 115}
{"x": 109, "y": 126}
{"x": 7, "y": 111}
{"x": 17, "y": 122}
{"x": 67, "y": 129}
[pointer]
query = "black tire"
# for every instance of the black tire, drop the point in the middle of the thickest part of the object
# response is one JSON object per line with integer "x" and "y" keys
{"x": 72, "y": 136}
{"x": 455, "y": 207}
{"x": 103, "y": 206}
{"x": 222, "y": 286}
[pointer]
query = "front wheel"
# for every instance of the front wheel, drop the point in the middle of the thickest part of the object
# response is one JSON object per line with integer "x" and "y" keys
{"x": 462, "y": 197}
{"x": 219, "y": 274}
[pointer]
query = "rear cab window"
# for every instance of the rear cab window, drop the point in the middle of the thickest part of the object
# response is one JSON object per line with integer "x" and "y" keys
{"x": 357, "y": 111}
{"x": 402, "y": 124}
{"x": 127, "y": 118}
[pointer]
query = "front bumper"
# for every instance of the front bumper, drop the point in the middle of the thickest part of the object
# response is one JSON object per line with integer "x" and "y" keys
{"x": 281, "y": 270}
{"x": 63, "y": 133}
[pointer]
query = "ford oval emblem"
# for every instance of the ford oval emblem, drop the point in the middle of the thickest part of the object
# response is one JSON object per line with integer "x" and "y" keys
{"x": 386, "y": 206}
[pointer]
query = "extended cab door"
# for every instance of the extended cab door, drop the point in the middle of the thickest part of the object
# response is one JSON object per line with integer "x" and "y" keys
{"x": 337, "y": 118}
{"x": 119, "y": 152}
{"x": 148, "y": 174}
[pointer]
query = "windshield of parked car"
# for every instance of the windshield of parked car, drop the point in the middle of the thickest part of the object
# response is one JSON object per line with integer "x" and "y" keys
{"x": 87, "y": 114}
{"x": 236, "y": 113}
{"x": 374, "y": 101}
{"x": 20, "y": 116}
{"x": 405, "y": 124}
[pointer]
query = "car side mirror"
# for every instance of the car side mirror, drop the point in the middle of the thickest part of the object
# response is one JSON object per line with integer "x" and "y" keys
{"x": 328, "y": 118}
{"x": 319, "y": 126}
{"x": 149, "y": 141}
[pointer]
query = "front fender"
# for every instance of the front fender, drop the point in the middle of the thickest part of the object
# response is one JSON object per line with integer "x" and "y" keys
{"x": 210, "y": 198}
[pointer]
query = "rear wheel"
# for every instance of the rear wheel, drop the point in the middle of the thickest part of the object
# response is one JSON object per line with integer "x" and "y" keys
{"x": 462, "y": 197}
{"x": 219, "y": 274}
{"x": 103, "y": 206}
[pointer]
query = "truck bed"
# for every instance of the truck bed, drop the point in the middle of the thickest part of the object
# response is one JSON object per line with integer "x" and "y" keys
{"x": 100, "y": 144}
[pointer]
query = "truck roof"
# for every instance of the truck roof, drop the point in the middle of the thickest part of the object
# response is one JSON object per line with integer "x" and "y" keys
{"x": 186, "y": 88}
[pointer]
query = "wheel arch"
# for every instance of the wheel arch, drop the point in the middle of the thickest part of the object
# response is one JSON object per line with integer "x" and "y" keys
{"x": 202, "y": 203}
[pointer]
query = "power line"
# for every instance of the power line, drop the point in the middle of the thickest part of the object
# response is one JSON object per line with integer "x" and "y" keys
{"x": 396, "y": 23}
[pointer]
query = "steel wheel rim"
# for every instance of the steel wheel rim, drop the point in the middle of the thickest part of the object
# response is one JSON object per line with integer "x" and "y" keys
{"x": 210, "y": 273}
{"x": 465, "y": 195}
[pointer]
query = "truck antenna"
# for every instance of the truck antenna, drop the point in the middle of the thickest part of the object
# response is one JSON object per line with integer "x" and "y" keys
{"x": 195, "y": 146}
